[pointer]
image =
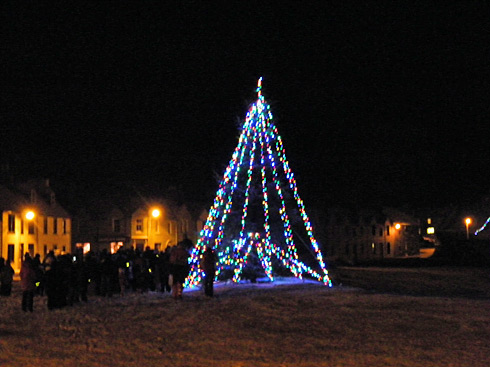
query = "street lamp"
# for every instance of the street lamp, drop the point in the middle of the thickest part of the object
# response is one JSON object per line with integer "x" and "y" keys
{"x": 30, "y": 215}
{"x": 467, "y": 221}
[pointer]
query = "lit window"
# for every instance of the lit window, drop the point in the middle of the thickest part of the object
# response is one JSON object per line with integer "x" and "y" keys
{"x": 430, "y": 230}
{"x": 139, "y": 225}
{"x": 11, "y": 252}
{"x": 11, "y": 223}
{"x": 84, "y": 246}
{"x": 115, "y": 246}
{"x": 30, "y": 228}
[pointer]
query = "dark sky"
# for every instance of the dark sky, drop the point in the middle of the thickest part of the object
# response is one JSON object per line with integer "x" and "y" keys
{"x": 376, "y": 102}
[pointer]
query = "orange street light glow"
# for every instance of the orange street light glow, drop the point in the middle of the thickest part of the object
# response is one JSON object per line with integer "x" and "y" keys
{"x": 30, "y": 215}
{"x": 155, "y": 213}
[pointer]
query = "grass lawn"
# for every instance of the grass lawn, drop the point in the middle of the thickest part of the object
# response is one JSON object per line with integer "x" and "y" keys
{"x": 378, "y": 317}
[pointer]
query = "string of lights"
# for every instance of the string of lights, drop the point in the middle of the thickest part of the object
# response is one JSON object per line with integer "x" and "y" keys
{"x": 482, "y": 227}
{"x": 261, "y": 156}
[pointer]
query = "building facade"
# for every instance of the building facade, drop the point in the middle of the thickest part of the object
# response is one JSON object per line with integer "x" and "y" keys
{"x": 362, "y": 236}
{"x": 140, "y": 224}
{"x": 32, "y": 222}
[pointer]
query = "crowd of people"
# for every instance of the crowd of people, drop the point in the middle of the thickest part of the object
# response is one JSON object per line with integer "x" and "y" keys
{"x": 68, "y": 279}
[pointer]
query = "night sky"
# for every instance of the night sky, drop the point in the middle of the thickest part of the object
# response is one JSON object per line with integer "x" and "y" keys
{"x": 377, "y": 102}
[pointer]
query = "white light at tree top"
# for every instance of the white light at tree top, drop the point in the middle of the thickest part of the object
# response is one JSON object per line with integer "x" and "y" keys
{"x": 259, "y": 161}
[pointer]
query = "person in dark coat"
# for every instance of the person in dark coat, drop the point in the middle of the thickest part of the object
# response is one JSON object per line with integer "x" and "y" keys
{"x": 6, "y": 278}
{"x": 208, "y": 265}
{"x": 179, "y": 268}
{"x": 163, "y": 270}
{"x": 82, "y": 278}
{"x": 108, "y": 272}
{"x": 38, "y": 268}
{"x": 27, "y": 284}
{"x": 51, "y": 280}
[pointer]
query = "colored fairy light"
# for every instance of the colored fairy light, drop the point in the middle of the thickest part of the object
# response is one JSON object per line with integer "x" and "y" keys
{"x": 258, "y": 174}
{"x": 482, "y": 227}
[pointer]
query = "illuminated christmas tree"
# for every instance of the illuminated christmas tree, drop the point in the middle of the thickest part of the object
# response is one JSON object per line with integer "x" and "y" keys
{"x": 249, "y": 223}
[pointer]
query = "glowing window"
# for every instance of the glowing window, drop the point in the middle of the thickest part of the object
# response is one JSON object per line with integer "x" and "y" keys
{"x": 139, "y": 225}
{"x": 115, "y": 246}
{"x": 30, "y": 228}
{"x": 84, "y": 246}
{"x": 11, "y": 223}
{"x": 430, "y": 230}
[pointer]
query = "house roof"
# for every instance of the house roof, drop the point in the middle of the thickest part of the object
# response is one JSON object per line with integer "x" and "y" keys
{"x": 9, "y": 200}
{"x": 21, "y": 198}
{"x": 341, "y": 216}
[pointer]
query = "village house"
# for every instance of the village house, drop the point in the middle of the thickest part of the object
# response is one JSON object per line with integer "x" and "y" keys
{"x": 32, "y": 221}
{"x": 367, "y": 235}
{"x": 139, "y": 224}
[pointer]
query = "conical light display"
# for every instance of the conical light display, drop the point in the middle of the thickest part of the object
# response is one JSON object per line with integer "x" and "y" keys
{"x": 251, "y": 222}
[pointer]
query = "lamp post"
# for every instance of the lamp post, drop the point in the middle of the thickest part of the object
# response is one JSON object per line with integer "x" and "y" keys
{"x": 30, "y": 215}
{"x": 155, "y": 213}
{"x": 467, "y": 221}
